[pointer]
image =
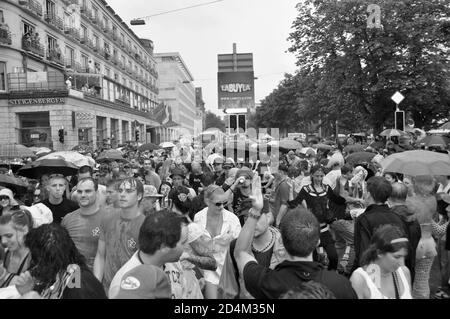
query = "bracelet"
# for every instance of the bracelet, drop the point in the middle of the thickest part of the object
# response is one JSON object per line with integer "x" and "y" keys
{"x": 254, "y": 216}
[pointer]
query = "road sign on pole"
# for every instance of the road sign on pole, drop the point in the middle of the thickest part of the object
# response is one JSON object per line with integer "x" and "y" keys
{"x": 397, "y": 98}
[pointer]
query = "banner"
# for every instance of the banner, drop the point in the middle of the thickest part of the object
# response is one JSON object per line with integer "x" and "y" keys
{"x": 36, "y": 77}
{"x": 236, "y": 90}
{"x": 84, "y": 120}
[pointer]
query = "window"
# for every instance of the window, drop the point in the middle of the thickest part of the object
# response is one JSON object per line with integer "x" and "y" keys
{"x": 96, "y": 41}
{"x": 51, "y": 8}
{"x": 2, "y": 76}
{"x": 95, "y": 12}
{"x": 70, "y": 55}
{"x": 85, "y": 62}
{"x": 27, "y": 28}
{"x": 51, "y": 43}
{"x": 97, "y": 68}
{"x": 107, "y": 72}
{"x": 122, "y": 39}
{"x": 83, "y": 32}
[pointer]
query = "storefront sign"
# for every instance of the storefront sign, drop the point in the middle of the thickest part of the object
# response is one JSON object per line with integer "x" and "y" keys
{"x": 84, "y": 120}
{"x": 45, "y": 100}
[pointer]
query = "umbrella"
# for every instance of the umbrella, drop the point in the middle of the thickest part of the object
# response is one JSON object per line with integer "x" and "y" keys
{"x": 360, "y": 157}
{"x": 70, "y": 156}
{"x": 111, "y": 156}
{"x": 148, "y": 147}
{"x": 418, "y": 162}
{"x": 15, "y": 184}
{"x": 14, "y": 166}
{"x": 286, "y": 144}
{"x": 48, "y": 166}
{"x": 434, "y": 140}
{"x": 167, "y": 145}
{"x": 322, "y": 146}
{"x": 14, "y": 151}
{"x": 378, "y": 144}
{"x": 392, "y": 132}
{"x": 354, "y": 148}
{"x": 445, "y": 126}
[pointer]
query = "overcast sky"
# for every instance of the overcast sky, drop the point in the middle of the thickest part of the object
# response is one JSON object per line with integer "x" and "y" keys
{"x": 260, "y": 27}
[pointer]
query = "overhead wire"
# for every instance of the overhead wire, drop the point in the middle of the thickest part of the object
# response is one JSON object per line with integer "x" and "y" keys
{"x": 180, "y": 9}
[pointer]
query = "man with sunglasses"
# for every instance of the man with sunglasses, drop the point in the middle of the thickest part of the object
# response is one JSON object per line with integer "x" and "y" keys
{"x": 119, "y": 231}
{"x": 56, "y": 201}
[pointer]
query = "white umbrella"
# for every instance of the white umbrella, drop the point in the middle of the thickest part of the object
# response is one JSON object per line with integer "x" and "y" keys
{"x": 167, "y": 145}
{"x": 70, "y": 156}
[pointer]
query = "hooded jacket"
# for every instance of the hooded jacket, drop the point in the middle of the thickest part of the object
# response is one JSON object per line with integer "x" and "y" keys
{"x": 265, "y": 283}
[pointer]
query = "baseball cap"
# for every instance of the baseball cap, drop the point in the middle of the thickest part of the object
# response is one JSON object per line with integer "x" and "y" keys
{"x": 150, "y": 191}
{"x": 144, "y": 282}
{"x": 177, "y": 171}
{"x": 229, "y": 162}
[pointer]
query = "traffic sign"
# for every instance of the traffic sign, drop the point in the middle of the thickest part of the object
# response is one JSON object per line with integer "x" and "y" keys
{"x": 397, "y": 97}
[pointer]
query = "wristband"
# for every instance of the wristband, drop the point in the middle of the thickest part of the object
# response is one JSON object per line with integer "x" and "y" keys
{"x": 254, "y": 216}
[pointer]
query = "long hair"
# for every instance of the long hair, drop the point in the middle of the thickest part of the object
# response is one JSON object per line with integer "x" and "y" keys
{"x": 384, "y": 240}
{"x": 52, "y": 250}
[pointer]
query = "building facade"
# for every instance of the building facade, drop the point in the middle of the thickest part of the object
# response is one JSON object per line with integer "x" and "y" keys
{"x": 73, "y": 73}
{"x": 178, "y": 92}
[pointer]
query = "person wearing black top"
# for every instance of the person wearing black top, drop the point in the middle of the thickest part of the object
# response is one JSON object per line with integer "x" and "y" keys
{"x": 60, "y": 271}
{"x": 317, "y": 196}
{"x": 300, "y": 234}
{"x": 56, "y": 202}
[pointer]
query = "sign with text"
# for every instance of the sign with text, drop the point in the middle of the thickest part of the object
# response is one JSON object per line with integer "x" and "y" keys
{"x": 236, "y": 90}
{"x": 36, "y": 77}
{"x": 84, "y": 120}
{"x": 45, "y": 100}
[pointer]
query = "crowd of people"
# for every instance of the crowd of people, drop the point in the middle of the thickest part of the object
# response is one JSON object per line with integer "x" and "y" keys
{"x": 155, "y": 226}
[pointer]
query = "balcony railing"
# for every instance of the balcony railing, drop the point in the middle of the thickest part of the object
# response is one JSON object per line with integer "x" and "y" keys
{"x": 55, "y": 56}
{"x": 71, "y": 64}
{"x": 107, "y": 54}
{"x": 34, "y": 7}
{"x": 33, "y": 46}
{"x": 84, "y": 39}
{"x": 17, "y": 82}
{"x": 114, "y": 60}
{"x": 72, "y": 32}
{"x": 5, "y": 37}
{"x": 54, "y": 20}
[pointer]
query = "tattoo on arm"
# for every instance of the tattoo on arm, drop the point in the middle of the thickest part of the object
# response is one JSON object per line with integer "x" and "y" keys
{"x": 203, "y": 257}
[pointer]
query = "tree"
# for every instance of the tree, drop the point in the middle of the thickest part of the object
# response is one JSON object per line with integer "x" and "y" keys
{"x": 213, "y": 121}
{"x": 352, "y": 70}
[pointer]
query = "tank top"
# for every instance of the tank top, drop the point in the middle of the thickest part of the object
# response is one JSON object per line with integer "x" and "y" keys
{"x": 375, "y": 293}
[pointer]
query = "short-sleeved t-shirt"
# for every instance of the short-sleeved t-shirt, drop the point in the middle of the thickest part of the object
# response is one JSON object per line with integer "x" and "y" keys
{"x": 120, "y": 236}
{"x": 85, "y": 232}
{"x": 62, "y": 209}
{"x": 278, "y": 197}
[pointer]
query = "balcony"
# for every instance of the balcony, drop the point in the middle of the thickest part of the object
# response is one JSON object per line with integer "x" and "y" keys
{"x": 55, "y": 55}
{"x": 69, "y": 2}
{"x": 17, "y": 82}
{"x": 85, "y": 12}
{"x": 33, "y": 46}
{"x": 5, "y": 37}
{"x": 72, "y": 32}
{"x": 114, "y": 60}
{"x": 120, "y": 64}
{"x": 84, "y": 39}
{"x": 33, "y": 7}
{"x": 54, "y": 20}
{"x": 71, "y": 64}
{"x": 107, "y": 54}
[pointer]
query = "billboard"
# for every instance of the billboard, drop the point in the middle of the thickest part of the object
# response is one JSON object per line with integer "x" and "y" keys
{"x": 236, "y": 90}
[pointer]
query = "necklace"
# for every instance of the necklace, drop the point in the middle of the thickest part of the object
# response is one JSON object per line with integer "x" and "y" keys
{"x": 271, "y": 242}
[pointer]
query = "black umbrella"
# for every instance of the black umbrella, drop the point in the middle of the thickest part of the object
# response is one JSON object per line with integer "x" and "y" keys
{"x": 110, "y": 156}
{"x": 15, "y": 184}
{"x": 148, "y": 147}
{"x": 48, "y": 166}
{"x": 359, "y": 157}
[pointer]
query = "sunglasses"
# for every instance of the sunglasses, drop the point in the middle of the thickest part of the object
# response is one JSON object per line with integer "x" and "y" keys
{"x": 221, "y": 204}
{"x": 4, "y": 197}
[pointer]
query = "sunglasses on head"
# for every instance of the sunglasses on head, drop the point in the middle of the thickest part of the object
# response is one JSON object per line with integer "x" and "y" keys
{"x": 221, "y": 204}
